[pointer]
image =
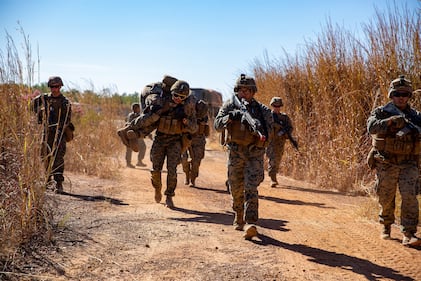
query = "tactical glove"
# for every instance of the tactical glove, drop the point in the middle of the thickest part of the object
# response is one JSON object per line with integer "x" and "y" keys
{"x": 235, "y": 114}
{"x": 397, "y": 121}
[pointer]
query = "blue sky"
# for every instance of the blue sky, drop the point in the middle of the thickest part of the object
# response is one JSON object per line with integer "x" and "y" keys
{"x": 126, "y": 44}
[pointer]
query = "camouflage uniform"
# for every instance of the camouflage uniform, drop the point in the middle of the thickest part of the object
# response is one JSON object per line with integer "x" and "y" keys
{"x": 54, "y": 112}
{"x": 140, "y": 143}
{"x": 196, "y": 150}
{"x": 281, "y": 127}
{"x": 395, "y": 156}
{"x": 246, "y": 152}
{"x": 167, "y": 141}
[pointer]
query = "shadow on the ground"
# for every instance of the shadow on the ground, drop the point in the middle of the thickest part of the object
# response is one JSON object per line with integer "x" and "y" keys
{"x": 96, "y": 198}
{"x": 370, "y": 270}
{"x": 312, "y": 190}
{"x": 227, "y": 219}
{"x": 210, "y": 189}
{"x": 207, "y": 217}
{"x": 293, "y": 202}
{"x": 273, "y": 224}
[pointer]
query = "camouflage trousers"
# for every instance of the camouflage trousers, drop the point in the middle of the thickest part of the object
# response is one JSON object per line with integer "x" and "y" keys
{"x": 245, "y": 173}
{"x": 169, "y": 147}
{"x": 53, "y": 152}
{"x": 389, "y": 177}
{"x": 196, "y": 152}
{"x": 140, "y": 155}
{"x": 274, "y": 152}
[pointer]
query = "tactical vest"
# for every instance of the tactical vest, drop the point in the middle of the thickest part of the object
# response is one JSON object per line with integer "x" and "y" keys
{"x": 405, "y": 145}
{"x": 170, "y": 126}
{"x": 239, "y": 134}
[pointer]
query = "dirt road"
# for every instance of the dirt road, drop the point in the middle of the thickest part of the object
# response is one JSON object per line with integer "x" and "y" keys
{"x": 113, "y": 230}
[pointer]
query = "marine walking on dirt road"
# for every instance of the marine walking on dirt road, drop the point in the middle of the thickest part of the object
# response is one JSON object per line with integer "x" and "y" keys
{"x": 54, "y": 113}
{"x": 140, "y": 141}
{"x": 396, "y": 133}
{"x": 196, "y": 150}
{"x": 282, "y": 130}
{"x": 173, "y": 115}
{"x": 248, "y": 131}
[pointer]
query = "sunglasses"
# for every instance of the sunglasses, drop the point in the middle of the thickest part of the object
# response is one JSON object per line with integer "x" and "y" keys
{"x": 404, "y": 94}
{"x": 54, "y": 86}
{"x": 276, "y": 106}
{"x": 179, "y": 96}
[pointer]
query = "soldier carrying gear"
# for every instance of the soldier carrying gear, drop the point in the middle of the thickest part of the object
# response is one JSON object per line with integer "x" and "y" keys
{"x": 246, "y": 148}
{"x": 396, "y": 134}
{"x": 178, "y": 119}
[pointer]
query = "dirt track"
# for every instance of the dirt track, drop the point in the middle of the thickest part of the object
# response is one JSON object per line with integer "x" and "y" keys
{"x": 115, "y": 231}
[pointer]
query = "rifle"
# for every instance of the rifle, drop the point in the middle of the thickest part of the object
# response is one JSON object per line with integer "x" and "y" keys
{"x": 286, "y": 130}
{"x": 246, "y": 118}
{"x": 290, "y": 137}
{"x": 410, "y": 126}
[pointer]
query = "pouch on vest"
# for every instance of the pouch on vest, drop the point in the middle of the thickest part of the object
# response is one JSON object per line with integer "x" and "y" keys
{"x": 68, "y": 132}
{"x": 239, "y": 134}
{"x": 170, "y": 126}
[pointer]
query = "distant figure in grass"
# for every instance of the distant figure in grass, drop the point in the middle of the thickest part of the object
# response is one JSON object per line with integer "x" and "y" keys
{"x": 396, "y": 133}
{"x": 54, "y": 113}
{"x": 282, "y": 130}
{"x": 141, "y": 142}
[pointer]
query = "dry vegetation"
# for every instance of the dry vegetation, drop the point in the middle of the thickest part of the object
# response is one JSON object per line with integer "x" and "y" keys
{"x": 328, "y": 90}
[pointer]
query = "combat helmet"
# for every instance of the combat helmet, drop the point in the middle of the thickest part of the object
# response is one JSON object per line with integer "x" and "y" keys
{"x": 180, "y": 88}
{"x": 245, "y": 81}
{"x": 276, "y": 101}
{"x": 400, "y": 84}
{"x": 54, "y": 80}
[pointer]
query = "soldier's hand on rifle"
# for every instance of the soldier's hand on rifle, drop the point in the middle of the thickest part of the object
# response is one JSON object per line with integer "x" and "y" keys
{"x": 235, "y": 114}
{"x": 396, "y": 121}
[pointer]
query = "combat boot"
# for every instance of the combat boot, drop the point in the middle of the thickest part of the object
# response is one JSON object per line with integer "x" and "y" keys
{"x": 409, "y": 239}
{"x": 59, "y": 187}
{"x": 168, "y": 202}
{"x": 192, "y": 182}
{"x": 251, "y": 231}
{"x": 239, "y": 221}
{"x": 385, "y": 232}
{"x": 129, "y": 165}
{"x": 273, "y": 181}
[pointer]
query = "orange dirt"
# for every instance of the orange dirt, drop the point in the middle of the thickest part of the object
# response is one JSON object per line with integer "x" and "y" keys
{"x": 113, "y": 230}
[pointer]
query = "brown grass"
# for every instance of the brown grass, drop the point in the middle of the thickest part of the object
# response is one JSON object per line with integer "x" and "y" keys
{"x": 330, "y": 88}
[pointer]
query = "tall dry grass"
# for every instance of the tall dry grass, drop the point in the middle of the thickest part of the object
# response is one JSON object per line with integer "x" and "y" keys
{"x": 22, "y": 190}
{"x": 24, "y": 207}
{"x": 96, "y": 147}
{"x": 330, "y": 88}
